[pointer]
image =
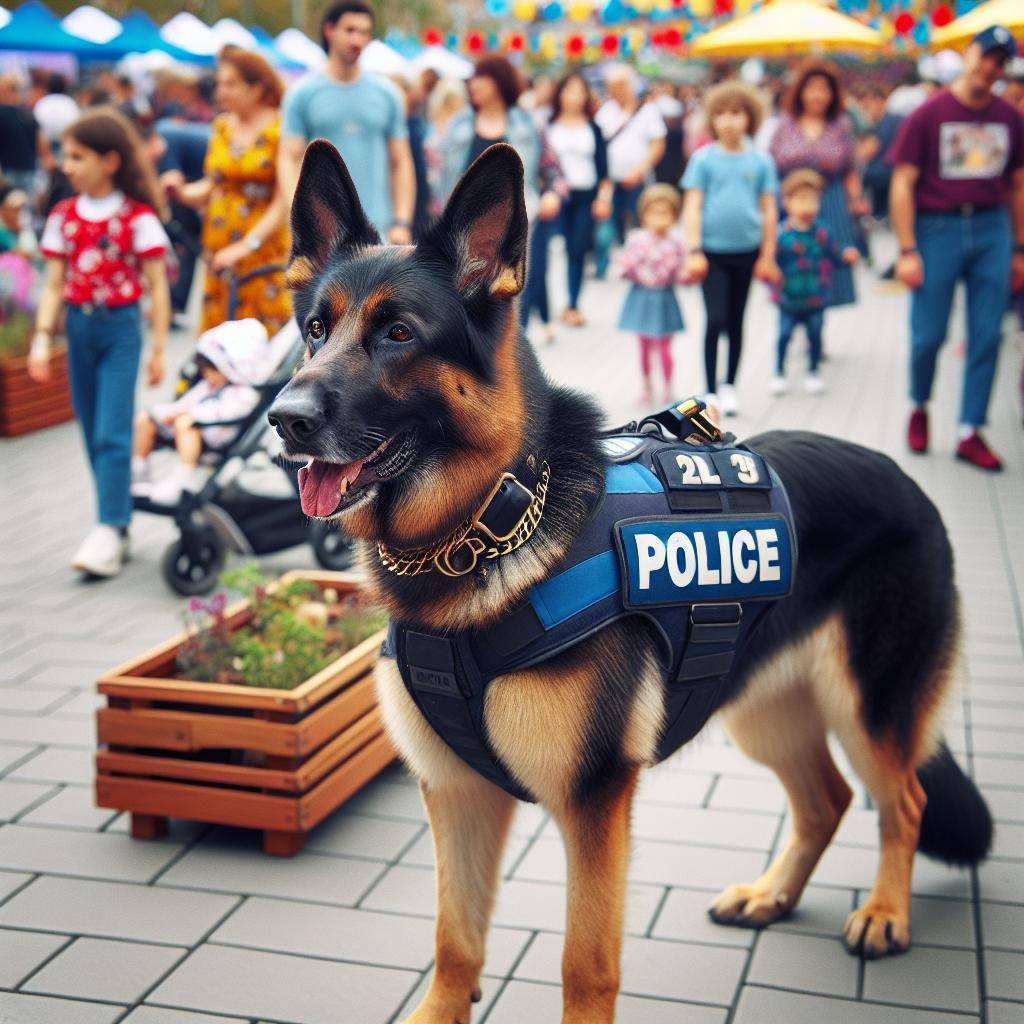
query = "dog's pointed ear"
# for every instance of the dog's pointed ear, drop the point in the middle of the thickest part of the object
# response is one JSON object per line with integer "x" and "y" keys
{"x": 327, "y": 216}
{"x": 483, "y": 230}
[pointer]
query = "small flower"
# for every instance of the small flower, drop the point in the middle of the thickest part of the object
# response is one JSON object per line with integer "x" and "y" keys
{"x": 237, "y": 664}
{"x": 277, "y": 657}
{"x": 330, "y": 595}
{"x": 195, "y": 604}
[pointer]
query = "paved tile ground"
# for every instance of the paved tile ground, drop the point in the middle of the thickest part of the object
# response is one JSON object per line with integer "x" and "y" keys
{"x": 201, "y": 928}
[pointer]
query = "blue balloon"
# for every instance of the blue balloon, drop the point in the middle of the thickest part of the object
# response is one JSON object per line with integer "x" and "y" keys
{"x": 613, "y": 12}
{"x": 497, "y": 8}
{"x": 921, "y": 32}
{"x": 553, "y": 11}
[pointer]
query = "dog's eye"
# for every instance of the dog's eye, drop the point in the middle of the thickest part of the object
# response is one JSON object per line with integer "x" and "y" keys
{"x": 399, "y": 332}
{"x": 315, "y": 332}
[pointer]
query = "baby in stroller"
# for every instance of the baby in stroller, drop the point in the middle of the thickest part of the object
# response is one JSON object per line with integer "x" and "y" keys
{"x": 231, "y": 360}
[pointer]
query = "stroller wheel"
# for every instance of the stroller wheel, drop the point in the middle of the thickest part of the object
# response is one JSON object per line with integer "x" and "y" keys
{"x": 333, "y": 550}
{"x": 191, "y": 567}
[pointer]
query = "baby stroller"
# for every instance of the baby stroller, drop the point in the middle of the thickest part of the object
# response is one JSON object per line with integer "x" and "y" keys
{"x": 226, "y": 514}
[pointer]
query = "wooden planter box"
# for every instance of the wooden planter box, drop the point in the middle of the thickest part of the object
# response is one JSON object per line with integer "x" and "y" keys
{"x": 276, "y": 760}
{"x": 26, "y": 405}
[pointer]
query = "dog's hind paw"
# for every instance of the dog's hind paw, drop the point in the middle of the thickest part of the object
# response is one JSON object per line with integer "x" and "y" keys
{"x": 749, "y": 906}
{"x": 873, "y": 931}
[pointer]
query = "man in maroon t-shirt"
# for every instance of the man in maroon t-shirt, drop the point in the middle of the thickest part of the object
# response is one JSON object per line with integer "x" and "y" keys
{"x": 957, "y": 207}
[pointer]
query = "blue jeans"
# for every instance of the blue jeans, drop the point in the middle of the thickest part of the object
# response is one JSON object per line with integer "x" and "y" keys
{"x": 976, "y": 248}
{"x": 104, "y": 346}
{"x": 576, "y": 222}
{"x": 624, "y": 202}
{"x": 813, "y": 321}
{"x": 535, "y": 292}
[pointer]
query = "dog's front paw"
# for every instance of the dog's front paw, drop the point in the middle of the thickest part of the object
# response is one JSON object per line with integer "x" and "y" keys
{"x": 749, "y": 906}
{"x": 443, "y": 1009}
{"x": 875, "y": 930}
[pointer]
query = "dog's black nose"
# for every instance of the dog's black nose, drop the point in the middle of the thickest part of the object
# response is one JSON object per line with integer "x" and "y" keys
{"x": 297, "y": 418}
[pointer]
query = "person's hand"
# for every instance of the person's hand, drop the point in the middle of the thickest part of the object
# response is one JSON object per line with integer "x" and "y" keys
{"x": 850, "y": 255}
{"x": 1017, "y": 272}
{"x": 39, "y": 369}
{"x": 910, "y": 270}
{"x": 601, "y": 209}
{"x": 228, "y": 258}
{"x": 767, "y": 270}
{"x": 171, "y": 181}
{"x": 696, "y": 268}
{"x": 550, "y": 204}
{"x": 860, "y": 207}
{"x": 399, "y": 234}
{"x": 632, "y": 178}
{"x": 155, "y": 368}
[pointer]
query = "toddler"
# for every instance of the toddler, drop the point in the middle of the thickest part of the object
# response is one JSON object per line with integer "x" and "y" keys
{"x": 806, "y": 254}
{"x": 206, "y": 415}
{"x": 652, "y": 260}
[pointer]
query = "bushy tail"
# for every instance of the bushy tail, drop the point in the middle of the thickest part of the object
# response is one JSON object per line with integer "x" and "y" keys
{"x": 956, "y": 826}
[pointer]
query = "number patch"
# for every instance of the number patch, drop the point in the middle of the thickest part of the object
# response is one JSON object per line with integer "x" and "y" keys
{"x": 712, "y": 470}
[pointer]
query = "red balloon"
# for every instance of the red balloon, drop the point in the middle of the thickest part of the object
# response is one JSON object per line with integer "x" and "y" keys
{"x": 942, "y": 15}
{"x": 723, "y": 6}
{"x": 474, "y": 42}
{"x": 610, "y": 44}
{"x": 673, "y": 37}
{"x": 574, "y": 45}
{"x": 903, "y": 23}
{"x": 432, "y": 37}
{"x": 516, "y": 41}
{"x": 657, "y": 38}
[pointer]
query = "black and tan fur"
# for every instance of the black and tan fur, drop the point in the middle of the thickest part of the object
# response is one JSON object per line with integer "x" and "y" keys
{"x": 864, "y": 649}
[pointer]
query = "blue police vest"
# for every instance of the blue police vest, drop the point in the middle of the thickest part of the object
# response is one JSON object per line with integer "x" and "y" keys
{"x": 698, "y": 539}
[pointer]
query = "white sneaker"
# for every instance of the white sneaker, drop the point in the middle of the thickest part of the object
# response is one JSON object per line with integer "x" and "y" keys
{"x": 141, "y": 481}
{"x": 777, "y": 385}
{"x": 729, "y": 405}
{"x": 102, "y": 553}
{"x": 813, "y": 384}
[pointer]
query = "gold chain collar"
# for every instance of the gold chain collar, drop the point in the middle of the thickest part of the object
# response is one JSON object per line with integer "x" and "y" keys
{"x": 459, "y": 553}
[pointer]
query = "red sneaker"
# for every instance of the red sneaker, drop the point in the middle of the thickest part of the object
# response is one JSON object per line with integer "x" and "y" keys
{"x": 917, "y": 431}
{"x": 974, "y": 450}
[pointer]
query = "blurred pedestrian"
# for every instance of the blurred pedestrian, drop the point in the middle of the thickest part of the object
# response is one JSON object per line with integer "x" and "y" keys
{"x": 23, "y": 147}
{"x": 103, "y": 247}
{"x": 362, "y": 114}
{"x": 447, "y": 97}
{"x": 957, "y": 206}
{"x": 731, "y": 215}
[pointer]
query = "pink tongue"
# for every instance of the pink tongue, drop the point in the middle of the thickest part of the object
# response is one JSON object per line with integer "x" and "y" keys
{"x": 320, "y": 487}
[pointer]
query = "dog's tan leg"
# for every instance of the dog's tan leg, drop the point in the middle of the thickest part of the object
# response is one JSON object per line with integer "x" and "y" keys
{"x": 470, "y": 823}
{"x": 597, "y": 848}
{"x": 786, "y": 733}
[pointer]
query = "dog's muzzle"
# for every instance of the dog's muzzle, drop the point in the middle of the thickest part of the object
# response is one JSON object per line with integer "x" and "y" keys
{"x": 297, "y": 417}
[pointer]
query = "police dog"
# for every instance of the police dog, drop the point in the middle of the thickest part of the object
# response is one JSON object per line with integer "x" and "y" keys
{"x": 417, "y": 392}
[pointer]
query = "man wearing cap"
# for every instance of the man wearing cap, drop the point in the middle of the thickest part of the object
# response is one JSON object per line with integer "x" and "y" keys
{"x": 957, "y": 207}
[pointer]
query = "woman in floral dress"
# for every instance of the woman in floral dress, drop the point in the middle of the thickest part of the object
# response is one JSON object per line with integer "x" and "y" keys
{"x": 244, "y": 223}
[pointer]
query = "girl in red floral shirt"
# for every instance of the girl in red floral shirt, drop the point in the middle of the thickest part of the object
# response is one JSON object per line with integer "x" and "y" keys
{"x": 101, "y": 246}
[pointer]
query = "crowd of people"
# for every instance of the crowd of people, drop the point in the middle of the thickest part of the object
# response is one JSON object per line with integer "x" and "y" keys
{"x": 129, "y": 189}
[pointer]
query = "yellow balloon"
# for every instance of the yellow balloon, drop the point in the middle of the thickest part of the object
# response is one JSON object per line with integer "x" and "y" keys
{"x": 579, "y": 10}
{"x": 700, "y": 8}
{"x": 744, "y": 6}
{"x": 524, "y": 10}
{"x": 548, "y": 45}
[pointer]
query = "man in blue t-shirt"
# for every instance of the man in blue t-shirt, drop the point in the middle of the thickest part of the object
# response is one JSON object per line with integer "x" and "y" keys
{"x": 362, "y": 114}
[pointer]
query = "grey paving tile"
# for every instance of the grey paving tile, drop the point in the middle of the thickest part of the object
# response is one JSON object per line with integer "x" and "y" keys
{"x": 1006, "y": 805}
{"x": 105, "y": 970}
{"x": 356, "y": 835}
{"x": 1004, "y": 975}
{"x": 770, "y": 1006}
{"x": 16, "y": 796}
{"x": 748, "y": 795}
{"x": 72, "y": 807}
{"x": 944, "y": 979}
{"x": 12, "y": 753}
{"x": 234, "y": 862}
{"x": 941, "y": 922}
{"x": 337, "y": 932}
{"x": 10, "y": 881}
{"x": 684, "y": 916}
{"x": 821, "y": 911}
{"x": 1002, "y": 880}
{"x": 63, "y": 732}
{"x": 849, "y": 867}
{"x": 421, "y": 853}
{"x": 489, "y": 988}
{"x": 389, "y": 800}
{"x": 219, "y": 979}
{"x": 805, "y": 962}
{"x": 1004, "y": 1013}
{"x": 22, "y": 952}
{"x": 16, "y": 1008}
{"x": 1009, "y": 841}
{"x": 25, "y": 700}
{"x": 115, "y": 910}
{"x": 1002, "y": 925}
{"x": 528, "y": 1001}
{"x": 705, "y": 827}
{"x": 72, "y": 767}
{"x": 682, "y": 789}
{"x": 998, "y": 771}
{"x": 155, "y": 1015}
{"x": 100, "y": 855}
{"x": 665, "y": 970}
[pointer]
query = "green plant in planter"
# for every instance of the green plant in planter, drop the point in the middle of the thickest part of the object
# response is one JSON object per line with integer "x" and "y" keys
{"x": 296, "y": 630}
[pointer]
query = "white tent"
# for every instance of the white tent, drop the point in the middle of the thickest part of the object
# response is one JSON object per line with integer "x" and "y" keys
{"x": 234, "y": 33}
{"x": 299, "y": 47}
{"x": 444, "y": 62}
{"x": 88, "y": 22}
{"x": 383, "y": 59}
{"x": 185, "y": 30}
{"x": 5, "y": 16}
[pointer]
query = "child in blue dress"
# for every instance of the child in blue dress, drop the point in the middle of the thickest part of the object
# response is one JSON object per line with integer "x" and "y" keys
{"x": 652, "y": 259}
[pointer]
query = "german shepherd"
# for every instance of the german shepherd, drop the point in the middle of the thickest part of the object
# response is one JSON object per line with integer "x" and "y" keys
{"x": 418, "y": 391}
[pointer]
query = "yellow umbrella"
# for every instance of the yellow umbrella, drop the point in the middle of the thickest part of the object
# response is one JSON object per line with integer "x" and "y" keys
{"x": 789, "y": 27}
{"x": 996, "y": 12}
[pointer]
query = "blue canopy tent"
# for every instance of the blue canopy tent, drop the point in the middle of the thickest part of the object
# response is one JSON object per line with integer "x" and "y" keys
{"x": 140, "y": 34}
{"x": 33, "y": 28}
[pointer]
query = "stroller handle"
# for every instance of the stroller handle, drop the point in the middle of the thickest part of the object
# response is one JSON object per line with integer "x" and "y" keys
{"x": 235, "y": 281}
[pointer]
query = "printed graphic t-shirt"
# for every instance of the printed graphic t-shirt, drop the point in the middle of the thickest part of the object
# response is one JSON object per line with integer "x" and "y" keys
{"x": 806, "y": 259}
{"x": 964, "y": 155}
{"x": 359, "y": 118}
{"x": 104, "y": 242}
